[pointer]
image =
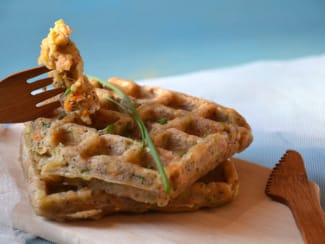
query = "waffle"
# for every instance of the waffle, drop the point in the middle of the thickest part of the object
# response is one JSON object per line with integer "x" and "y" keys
{"x": 197, "y": 135}
{"x": 73, "y": 199}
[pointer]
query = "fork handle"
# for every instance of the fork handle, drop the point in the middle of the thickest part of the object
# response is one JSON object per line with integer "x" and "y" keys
{"x": 308, "y": 214}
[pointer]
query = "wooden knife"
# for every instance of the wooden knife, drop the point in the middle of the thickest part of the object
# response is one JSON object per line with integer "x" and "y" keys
{"x": 288, "y": 183}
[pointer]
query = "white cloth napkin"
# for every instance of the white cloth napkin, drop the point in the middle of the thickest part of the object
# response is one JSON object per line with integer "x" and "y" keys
{"x": 282, "y": 100}
{"x": 9, "y": 193}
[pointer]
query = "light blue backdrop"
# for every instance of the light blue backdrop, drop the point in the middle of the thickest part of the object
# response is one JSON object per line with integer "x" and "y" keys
{"x": 139, "y": 39}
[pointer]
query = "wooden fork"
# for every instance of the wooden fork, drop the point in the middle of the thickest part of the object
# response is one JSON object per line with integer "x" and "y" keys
{"x": 289, "y": 184}
{"x": 18, "y": 104}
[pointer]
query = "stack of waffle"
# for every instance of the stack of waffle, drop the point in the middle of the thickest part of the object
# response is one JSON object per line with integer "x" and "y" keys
{"x": 86, "y": 171}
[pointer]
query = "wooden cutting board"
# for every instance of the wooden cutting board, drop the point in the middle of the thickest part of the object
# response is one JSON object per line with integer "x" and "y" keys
{"x": 251, "y": 218}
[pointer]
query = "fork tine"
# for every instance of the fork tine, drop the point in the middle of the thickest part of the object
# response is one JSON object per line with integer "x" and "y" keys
{"x": 42, "y": 111}
{"x": 29, "y": 73}
{"x": 40, "y": 84}
{"x": 47, "y": 110}
{"x": 30, "y": 114}
{"x": 47, "y": 94}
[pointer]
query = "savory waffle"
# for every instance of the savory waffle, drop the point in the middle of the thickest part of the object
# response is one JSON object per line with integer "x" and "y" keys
{"x": 65, "y": 199}
{"x": 195, "y": 137}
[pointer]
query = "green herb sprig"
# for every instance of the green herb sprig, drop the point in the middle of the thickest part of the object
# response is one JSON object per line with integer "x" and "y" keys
{"x": 129, "y": 109}
{"x": 163, "y": 121}
{"x": 109, "y": 128}
{"x": 67, "y": 91}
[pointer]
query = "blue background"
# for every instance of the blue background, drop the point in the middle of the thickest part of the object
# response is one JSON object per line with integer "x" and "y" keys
{"x": 145, "y": 39}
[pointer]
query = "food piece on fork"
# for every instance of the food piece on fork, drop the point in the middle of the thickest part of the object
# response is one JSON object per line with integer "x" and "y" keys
{"x": 60, "y": 54}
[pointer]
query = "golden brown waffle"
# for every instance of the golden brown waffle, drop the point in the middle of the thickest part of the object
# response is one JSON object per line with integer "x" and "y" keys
{"x": 74, "y": 199}
{"x": 193, "y": 136}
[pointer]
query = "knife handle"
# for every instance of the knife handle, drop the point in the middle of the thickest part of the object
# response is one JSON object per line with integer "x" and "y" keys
{"x": 308, "y": 214}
